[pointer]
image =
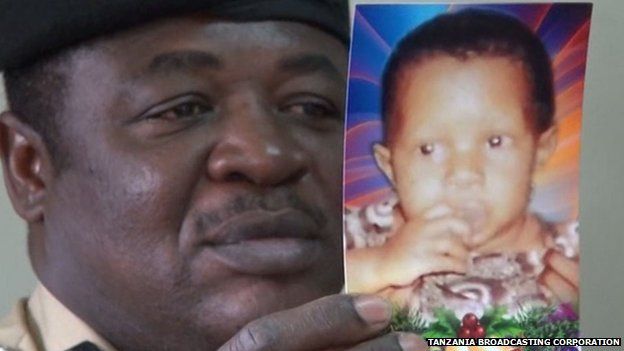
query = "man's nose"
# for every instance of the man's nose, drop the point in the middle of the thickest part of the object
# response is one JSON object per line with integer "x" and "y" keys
{"x": 465, "y": 169}
{"x": 255, "y": 145}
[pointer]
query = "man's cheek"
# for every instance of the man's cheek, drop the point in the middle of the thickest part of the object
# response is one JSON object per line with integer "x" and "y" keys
{"x": 327, "y": 170}
{"x": 143, "y": 198}
{"x": 142, "y": 182}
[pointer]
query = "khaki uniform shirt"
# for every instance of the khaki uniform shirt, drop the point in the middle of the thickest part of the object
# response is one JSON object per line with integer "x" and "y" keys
{"x": 42, "y": 323}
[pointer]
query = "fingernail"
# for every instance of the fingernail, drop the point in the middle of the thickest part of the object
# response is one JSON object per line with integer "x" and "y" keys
{"x": 373, "y": 309}
{"x": 411, "y": 342}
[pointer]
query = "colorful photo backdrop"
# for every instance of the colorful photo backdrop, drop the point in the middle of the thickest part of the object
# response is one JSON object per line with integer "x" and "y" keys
{"x": 564, "y": 30}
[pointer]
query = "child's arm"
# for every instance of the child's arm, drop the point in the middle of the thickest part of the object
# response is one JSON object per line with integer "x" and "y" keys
{"x": 561, "y": 271}
{"x": 364, "y": 268}
{"x": 418, "y": 248}
{"x": 561, "y": 276}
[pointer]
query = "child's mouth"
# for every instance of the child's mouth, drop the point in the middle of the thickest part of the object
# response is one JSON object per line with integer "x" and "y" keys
{"x": 474, "y": 213}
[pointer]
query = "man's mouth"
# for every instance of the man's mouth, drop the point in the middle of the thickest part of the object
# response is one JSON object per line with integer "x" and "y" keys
{"x": 265, "y": 242}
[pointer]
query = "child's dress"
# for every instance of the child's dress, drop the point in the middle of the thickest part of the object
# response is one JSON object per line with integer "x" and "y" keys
{"x": 509, "y": 280}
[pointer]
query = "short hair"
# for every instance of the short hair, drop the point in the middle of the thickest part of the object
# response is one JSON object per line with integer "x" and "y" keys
{"x": 36, "y": 93}
{"x": 467, "y": 34}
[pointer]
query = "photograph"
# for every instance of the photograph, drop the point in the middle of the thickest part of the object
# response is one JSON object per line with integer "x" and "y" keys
{"x": 462, "y": 164}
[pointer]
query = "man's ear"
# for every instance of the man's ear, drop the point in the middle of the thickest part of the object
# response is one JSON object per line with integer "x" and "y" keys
{"x": 27, "y": 166}
{"x": 383, "y": 158}
{"x": 546, "y": 146}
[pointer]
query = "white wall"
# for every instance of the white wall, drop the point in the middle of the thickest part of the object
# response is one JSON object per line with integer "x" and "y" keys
{"x": 16, "y": 277}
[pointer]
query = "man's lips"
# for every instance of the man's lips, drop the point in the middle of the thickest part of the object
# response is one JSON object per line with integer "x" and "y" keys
{"x": 265, "y": 242}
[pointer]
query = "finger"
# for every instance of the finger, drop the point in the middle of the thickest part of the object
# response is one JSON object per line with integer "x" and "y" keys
{"x": 567, "y": 268}
{"x": 559, "y": 286}
{"x": 446, "y": 225}
{"x": 436, "y": 212}
{"x": 425, "y": 265}
{"x": 328, "y": 322}
{"x": 393, "y": 342}
{"x": 443, "y": 264}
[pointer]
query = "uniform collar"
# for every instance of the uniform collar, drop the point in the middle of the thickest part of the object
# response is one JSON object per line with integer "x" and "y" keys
{"x": 56, "y": 327}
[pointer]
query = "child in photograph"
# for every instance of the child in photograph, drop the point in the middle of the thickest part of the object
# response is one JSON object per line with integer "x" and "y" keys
{"x": 468, "y": 113}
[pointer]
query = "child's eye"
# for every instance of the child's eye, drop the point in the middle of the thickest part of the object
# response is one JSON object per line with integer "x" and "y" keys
{"x": 427, "y": 149}
{"x": 495, "y": 141}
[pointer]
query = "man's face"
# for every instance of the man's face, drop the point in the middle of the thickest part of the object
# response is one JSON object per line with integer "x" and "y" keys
{"x": 464, "y": 147}
{"x": 203, "y": 187}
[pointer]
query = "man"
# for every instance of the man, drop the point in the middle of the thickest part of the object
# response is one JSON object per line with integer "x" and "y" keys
{"x": 178, "y": 164}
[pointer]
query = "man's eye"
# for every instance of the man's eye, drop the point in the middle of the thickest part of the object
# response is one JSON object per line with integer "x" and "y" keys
{"x": 184, "y": 111}
{"x": 310, "y": 109}
{"x": 495, "y": 141}
{"x": 427, "y": 149}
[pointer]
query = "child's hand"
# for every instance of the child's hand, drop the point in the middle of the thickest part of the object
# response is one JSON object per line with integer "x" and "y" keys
{"x": 424, "y": 247}
{"x": 561, "y": 276}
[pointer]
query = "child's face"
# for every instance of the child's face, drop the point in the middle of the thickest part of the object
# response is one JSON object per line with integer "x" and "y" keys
{"x": 463, "y": 145}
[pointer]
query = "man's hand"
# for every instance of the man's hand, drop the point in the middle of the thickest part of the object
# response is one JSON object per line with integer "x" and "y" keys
{"x": 561, "y": 276}
{"x": 337, "y": 322}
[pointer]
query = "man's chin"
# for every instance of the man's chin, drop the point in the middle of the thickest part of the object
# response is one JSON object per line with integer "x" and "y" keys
{"x": 246, "y": 299}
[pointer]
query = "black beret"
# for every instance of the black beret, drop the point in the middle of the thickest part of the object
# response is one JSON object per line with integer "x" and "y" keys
{"x": 30, "y": 29}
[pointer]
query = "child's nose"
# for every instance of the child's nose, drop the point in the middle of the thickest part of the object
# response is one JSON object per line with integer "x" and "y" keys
{"x": 465, "y": 169}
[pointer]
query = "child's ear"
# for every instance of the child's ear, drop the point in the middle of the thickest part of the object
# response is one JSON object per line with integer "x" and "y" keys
{"x": 383, "y": 158}
{"x": 546, "y": 146}
{"x": 26, "y": 165}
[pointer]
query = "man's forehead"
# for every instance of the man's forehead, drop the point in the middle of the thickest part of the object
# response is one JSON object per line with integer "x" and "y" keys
{"x": 188, "y": 44}
{"x": 65, "y": 23}
{"x": 188, "y": 60}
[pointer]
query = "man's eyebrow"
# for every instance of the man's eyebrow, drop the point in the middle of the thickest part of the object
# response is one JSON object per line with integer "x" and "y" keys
{"x": 309, "y": 63}
{"x": 182, "y": 60}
